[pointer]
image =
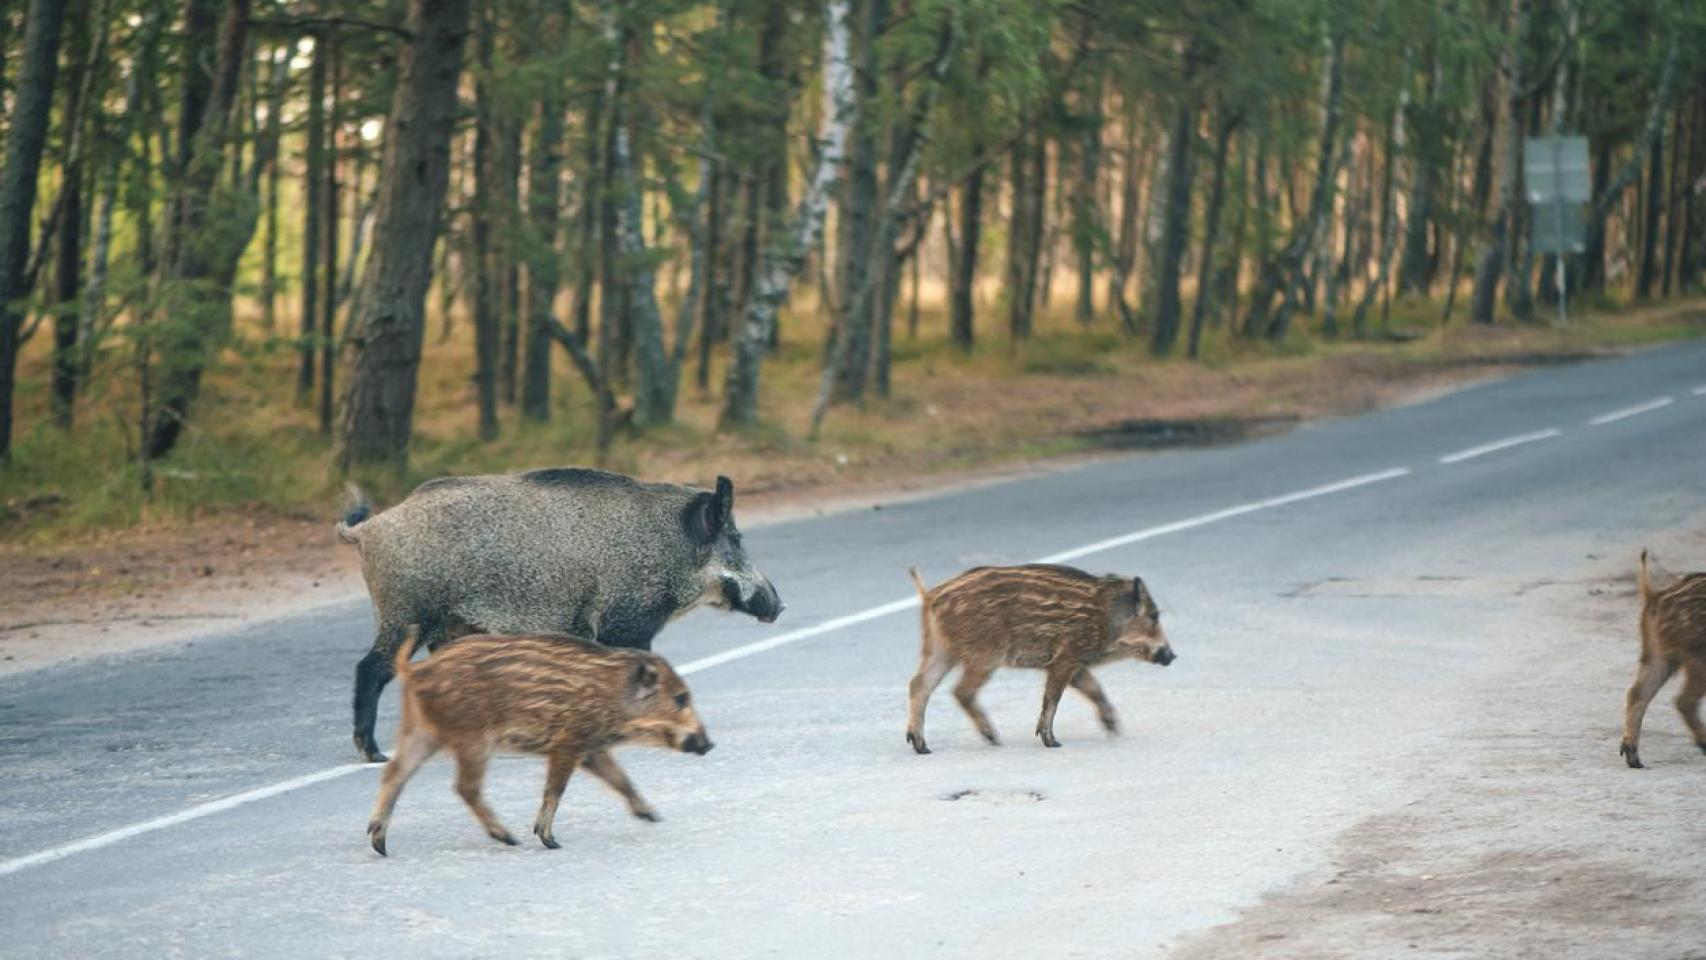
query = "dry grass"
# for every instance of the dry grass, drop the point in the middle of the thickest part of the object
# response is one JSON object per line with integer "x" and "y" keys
{"x": 254, "y": 452}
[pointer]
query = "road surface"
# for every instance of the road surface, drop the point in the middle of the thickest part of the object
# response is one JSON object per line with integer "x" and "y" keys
{"x": 1403, "y": 641}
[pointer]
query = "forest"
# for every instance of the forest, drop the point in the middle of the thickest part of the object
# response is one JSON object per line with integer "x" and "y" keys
{"x": 248, "y": 244}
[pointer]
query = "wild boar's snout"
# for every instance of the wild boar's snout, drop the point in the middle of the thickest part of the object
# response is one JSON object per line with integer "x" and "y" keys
{"x": 766, "y": 604}
{"x": 1164, "y": 656}
{"x": 697, "y": 743}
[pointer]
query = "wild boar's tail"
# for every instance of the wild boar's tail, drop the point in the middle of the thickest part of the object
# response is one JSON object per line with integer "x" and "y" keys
{"x": 405, "y": 650}
{"x": 918, "y": 581}
{"x": 1643, "y": 579}
{"x": 356, "y": 509}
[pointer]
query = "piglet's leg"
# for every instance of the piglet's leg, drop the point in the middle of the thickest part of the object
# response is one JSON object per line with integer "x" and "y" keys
{"x": 1059, "y": 675}
{"x": 1688, "y": 701}
{"x": 1652, "y": 673}
{"x": 603, "y": 766}
{"x": 972, "y": 679}
{"x": 470, "y": 774}
{"x": 1086, "y": 684}
{"x": 413, "y": 749}
{"x": 557, "y": 771}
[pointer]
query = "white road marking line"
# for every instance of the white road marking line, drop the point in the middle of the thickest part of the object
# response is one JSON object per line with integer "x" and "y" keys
{"x": 1699, "y": 391}
{"x": 171, "y": 820}
{"x": 1627, "y": 412}
{"x": 704, "y": 663}
{"x": 1227, "y": 514}
{"x": 1497, "y": 445}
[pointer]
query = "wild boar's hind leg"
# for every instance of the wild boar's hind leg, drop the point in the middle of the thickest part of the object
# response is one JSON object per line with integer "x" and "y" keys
{"x": 1688, "y": 702}
{"x": 972, "y": 679}
{"x": 470, "y": 774}
{"x": 603, "y": 766}
{"x": 1059, "y": 674}
{"x": 1654, "y": 670}
{"x": 371, "y": 676}
{"x": 934, "y": 667}
{"x": 414, "y": 747}
{"x": 557, "y": 771}
{"x": 1086, "y": 684}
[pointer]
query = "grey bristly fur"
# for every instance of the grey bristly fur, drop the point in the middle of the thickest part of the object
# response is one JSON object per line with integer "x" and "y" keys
{"x": 584, "y": 552}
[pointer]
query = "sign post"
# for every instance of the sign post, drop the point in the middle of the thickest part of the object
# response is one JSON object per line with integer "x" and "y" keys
{"x": 1555, "y": 170}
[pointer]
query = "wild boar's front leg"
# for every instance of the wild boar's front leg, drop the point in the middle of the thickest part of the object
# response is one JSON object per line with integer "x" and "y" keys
{"x": 557, "y": 771}
{"x": 603, "y": 766}
{"x": 1059, "y": 675}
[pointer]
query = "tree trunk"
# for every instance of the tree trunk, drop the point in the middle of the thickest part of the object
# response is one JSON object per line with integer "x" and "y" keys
{"x": 1648, "y": 271}
{"x": 1508, "y": 137}
{"x": 509, "y": 188}
{"x": 1085, "y": 222}
{"x": 856, "y": 251}
{"x": 1415, "y": 264}
{"x": 280, "y": 61}
{"x": 379, "y": 402}
{"x": 313, "y": 207}
{"x": 1211, "y": 230}
{"x": 1651, "y": 134}
{"x": 487, "y": 334}
{"x": 1282, "y": 275}
{"x": 1176, "y": 211}
{"x": 25, "y": 137}
{"x": 205, "y": 233}
{"x": 544, "y": 193}
{"x": 902, "y": 171}
{"x": 1675, "y": 191}
{"x": 1396, "y": 146}
{"x": 785, "y": 256}
{"x": 68, "y": 260}
{"x": 329, "y": 299}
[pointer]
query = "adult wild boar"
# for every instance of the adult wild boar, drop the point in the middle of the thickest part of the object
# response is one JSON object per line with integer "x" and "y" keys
{"x": 582, "y": 552}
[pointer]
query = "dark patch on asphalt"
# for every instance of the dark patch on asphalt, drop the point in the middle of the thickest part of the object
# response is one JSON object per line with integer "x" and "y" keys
{"x": 995, "y": 796}
{"x": 1157, "y": 434}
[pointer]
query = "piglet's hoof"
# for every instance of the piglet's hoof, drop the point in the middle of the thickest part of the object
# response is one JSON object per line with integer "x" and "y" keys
{"x": 1631, "y": 755}
{"x": 917, "y": 743}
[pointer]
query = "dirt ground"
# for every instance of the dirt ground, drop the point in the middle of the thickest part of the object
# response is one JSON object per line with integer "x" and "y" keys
{"x": 1518, "y": 840}
{"x": 153, "y": 585}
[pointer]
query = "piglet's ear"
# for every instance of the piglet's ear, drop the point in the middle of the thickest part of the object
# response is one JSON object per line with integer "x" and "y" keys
{"x": 704, "y": 518}
{"x": 643, "y": 680}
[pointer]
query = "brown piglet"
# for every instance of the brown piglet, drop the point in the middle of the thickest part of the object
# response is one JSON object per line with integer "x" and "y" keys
{"x": 568, "y": 700}
{"x": 1673, "y": 634}
{"x": 1038, "y": 616}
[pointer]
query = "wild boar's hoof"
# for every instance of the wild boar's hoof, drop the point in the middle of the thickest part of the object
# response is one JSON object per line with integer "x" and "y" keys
{"x": 504, "y": 838}
{"x": 376, "y": 836}
{"x": 1111, "y": 724}
{"x": 1702, "y": 747}
{"x": 1048, "y": 738}
{"x": 550, "y": 842}
{"x": 917, "y": 743}
{"x": 1631, "y": 755}
{"x": 647, "y": 814}
{"x": 369, "y": 749}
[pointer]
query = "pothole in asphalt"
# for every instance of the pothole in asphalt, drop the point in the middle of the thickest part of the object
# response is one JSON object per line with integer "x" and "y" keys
{"x": 997, "y": 797}
{"x": 1154, "y": 434}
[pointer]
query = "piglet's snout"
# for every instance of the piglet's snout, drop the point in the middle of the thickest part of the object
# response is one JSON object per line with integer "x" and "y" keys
{"x": 1164, "y": 656}
{"x": 697, "y": 743}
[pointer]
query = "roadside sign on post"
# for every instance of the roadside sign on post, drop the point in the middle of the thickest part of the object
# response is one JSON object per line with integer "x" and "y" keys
{"x": 1555, "y": 169}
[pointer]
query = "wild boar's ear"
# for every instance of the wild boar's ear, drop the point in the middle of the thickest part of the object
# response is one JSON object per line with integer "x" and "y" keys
{"x": 703, "y": 518}
{"x": 725, "y": 497}
{"x": 643, "y": 681}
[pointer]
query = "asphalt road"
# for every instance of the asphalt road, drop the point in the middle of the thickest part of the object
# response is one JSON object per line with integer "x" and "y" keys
{"x": 203, "y": 801}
